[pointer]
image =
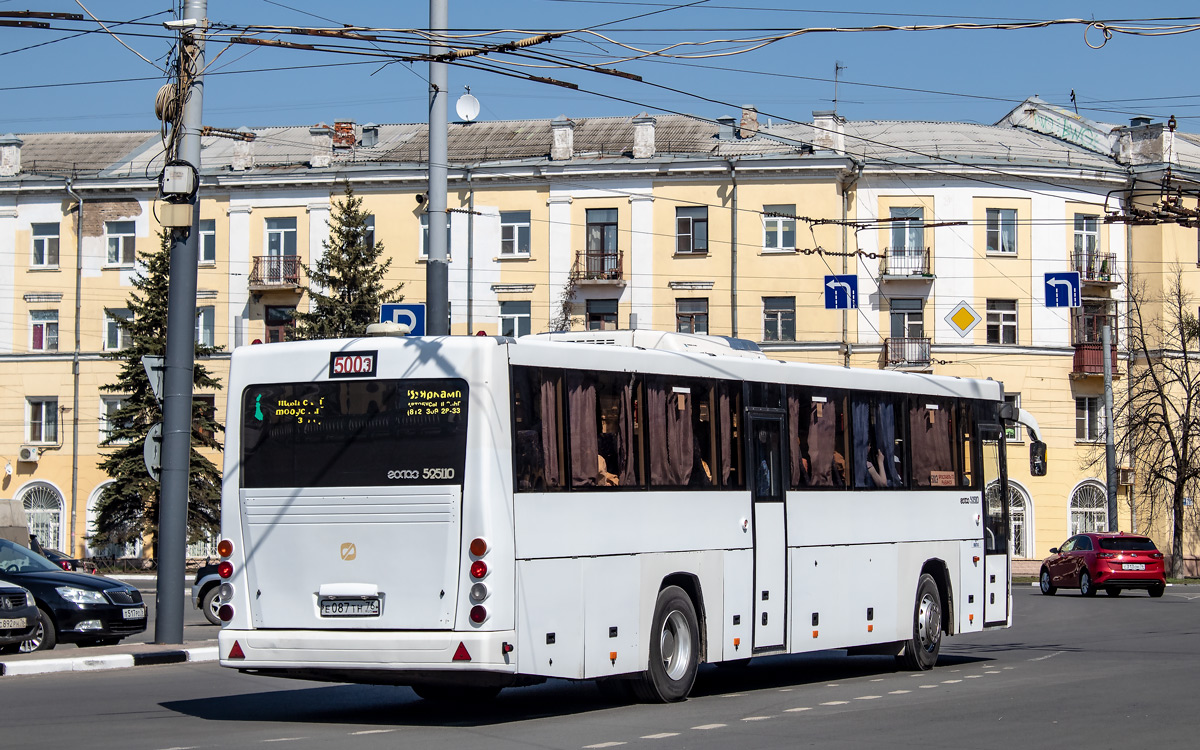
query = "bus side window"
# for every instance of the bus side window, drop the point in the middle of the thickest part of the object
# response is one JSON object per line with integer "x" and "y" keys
{"x": 537, "y": 429}
{"x": 730, "y": 447}
{"x": 878, "y": 442}
{"x": 932, "y": 435}
{"x": 605, "y": 436}
{"x": 818, "y": 446}
{"x": 969, "y": 438}
{"x": 679, "y": 432}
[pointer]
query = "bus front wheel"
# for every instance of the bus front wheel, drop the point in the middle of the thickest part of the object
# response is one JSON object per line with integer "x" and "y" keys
{"x": 921, "y": 651}
{"x": 674, "y": 649}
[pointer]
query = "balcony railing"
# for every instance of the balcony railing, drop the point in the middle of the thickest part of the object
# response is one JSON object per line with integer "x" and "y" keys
{"x": 1094, "y": 266}
{"x": 1089, "y": 359}
{"x": 595, "y": 266}
{"x": 906, "y": 352}
{"x": 905, "y": 263}
{"x": 275, "y": 271}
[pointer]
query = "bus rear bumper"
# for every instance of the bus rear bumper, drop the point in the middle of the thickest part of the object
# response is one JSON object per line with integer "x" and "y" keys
{"x": 394, "y": 652}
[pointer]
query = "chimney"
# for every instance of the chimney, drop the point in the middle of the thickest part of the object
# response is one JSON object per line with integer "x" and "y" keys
{"x": 563, "y": 145}
{"x": 643, "y": 136}
{"x": 322, "y": 146}
{"x": 725, "y": 127}
{"x": 1139, "y": 121}
{"x": 243, "y": 152}
{"x": 10, "y": 155}
{"x": 343, "y": 134}
{"x": 749, "y": 125}
{"x": 370, "y": 135}
{"x": 829, "y": 130}
{"x": 1145, "y": 142}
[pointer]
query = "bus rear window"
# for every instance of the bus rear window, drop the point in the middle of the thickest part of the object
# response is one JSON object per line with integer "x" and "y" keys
{"x": 354, "y": 433}
{"x": 1128, "y": 544}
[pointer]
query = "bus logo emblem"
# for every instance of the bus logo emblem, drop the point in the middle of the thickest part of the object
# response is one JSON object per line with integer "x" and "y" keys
{"x": 348, "y": 551}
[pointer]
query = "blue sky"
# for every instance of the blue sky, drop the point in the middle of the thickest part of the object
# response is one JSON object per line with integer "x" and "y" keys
{"x": 972, "y": 76}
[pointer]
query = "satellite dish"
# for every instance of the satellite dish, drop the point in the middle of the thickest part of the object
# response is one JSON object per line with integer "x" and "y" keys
{"x": 467, "y": 107}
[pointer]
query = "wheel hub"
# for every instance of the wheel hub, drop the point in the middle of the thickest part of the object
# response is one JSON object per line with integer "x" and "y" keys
{"x": 929, "y": 622}
{"x": 675, "y": 645}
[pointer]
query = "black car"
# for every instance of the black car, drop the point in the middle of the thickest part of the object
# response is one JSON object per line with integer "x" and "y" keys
{"x": 89, "y": 610}
{"x": 18, "y": 617}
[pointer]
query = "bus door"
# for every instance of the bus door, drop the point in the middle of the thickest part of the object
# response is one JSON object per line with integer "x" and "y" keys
{"x": 995, "y": 521}
{"x": 767, "y": 463}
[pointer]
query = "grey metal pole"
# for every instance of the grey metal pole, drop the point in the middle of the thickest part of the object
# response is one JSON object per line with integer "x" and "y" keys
{"x": 1110, "y": 451}
{"x": 181, "y": 351}
{"x": 733, "y": 245}
{"x": 437, "y": 276}
{"x": 75, "y": 364}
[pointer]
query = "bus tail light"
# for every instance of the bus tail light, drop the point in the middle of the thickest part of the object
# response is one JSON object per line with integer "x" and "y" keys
{"x": 479, "y": 592}
{"x": 478, "y": 614}
{"x": 479, "y": 547}
{"x": 225, "y": 569}
{"x": 224, "y": 548}
{"x": 478, "y": 569}
{"x": 225, "y": 613}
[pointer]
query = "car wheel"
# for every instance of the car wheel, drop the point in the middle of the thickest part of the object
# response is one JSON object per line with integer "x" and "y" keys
{"x": 1044, "y": 581}
{"x": 1157, "y": 590}
{"x": 674, "y": 649}
{"x": 921, "y": 651}
{"x": 458, "y": 694}
{"x": 209, "y": 605}
{"x": 1112, "y": 590}
{"x": 1085, "y": 584}
{"x": 44, "y": 638}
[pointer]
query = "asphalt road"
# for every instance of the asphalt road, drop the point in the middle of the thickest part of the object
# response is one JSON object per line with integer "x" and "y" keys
{"x": 1103, "y": 672}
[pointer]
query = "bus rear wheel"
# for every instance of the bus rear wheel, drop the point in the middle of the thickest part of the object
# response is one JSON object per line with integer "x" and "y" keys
{"x": 674, "y": 649}
{"x": 921, "y": 651}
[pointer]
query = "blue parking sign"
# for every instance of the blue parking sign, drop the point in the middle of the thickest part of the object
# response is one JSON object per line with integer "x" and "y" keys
{"x": 1062, "y": 289}
{"x": 409, "y": 314}
{"x": 841, "y": 292}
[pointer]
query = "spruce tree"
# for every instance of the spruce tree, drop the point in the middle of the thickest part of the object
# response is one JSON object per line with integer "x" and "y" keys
{"x": 346, "y": 285}
{"x": 128, "y": 507}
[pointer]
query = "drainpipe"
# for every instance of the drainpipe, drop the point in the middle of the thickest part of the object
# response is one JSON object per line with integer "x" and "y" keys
{"x": 733, "y": 303}
{"x": 470, "y": 254}
{"x": 75, "y": 360}
{"x": 846, "y": 185}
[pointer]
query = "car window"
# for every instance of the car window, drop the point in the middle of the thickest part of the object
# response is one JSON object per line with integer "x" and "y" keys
{"x": 1082, "y": 543}
{"x": 1129, "y": 543}
{"x": 16, "y": 559}
{"x": 1067, "y": 545}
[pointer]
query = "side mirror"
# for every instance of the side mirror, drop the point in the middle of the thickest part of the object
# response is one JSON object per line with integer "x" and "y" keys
{"x": 1037, "y": 458}
{"x": 1054, "y": 550}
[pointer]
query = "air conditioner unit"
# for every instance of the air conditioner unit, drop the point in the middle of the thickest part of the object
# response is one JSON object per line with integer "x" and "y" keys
{"x": 28, "y": 453}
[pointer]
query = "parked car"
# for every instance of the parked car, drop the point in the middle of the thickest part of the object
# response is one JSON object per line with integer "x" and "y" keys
{"x": 89, "y": 610}
{"x": 1112, "y": 562}
{"x": 204, "y": 592}
{"x": 61, "y": 559}
{"x": 18, "y": 617}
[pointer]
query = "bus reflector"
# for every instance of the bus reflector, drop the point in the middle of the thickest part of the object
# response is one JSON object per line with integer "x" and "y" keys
{"x": 814, "y": 634}
{"x": 479, "y": 547}
{"x": 461, "y": 654}
{"x": 870, "y": 628}
{"x": 612, "y": 656}
{"x": 971, "y": 619}
{"x": 737, "y": 642}
{"x": 236, "y": 651}
{"x": 224, "y": 548}
{"x": 478, "y": 569}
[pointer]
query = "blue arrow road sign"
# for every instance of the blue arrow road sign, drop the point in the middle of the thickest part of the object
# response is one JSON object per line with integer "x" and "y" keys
{"x": 841, "y": 292}
{"x": 411, "y": 315}
{"x": 1062, "y": 289}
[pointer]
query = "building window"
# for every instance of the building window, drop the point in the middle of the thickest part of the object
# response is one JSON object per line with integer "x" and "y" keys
{"x": 281, "y": 236}
{"x": 425, "y": 236}
{"x": 206, "y": 319}
{"x": 908, "y": 231}
{"x": 514, "y": 233}
{"x": 43, "y": 420}
{"x": 514, "y": 318}
{"x": 602, "y": 252}
{"x": 1087, "y": 239}
{"x": 45, "y": 246}
{"x": 369, "y": 231}
{"x": 119, "y": 238}
{"x": 779, "y": 232}
{"x": 691, "y": 229}
{"x": 116, "y": 329}
{"x": 602, "y": 315}
{"x": 1089, "y": 424}
{"x": 1002, "y": 230}
{"x": 907, "y": 318}
{"x": 691, "y": 315}
{"x": 1012, "y": 430}
{"x": 109, "y": 406}
{"x": 208, "y": 242}
{"x": 1089, "y": 508}
{"x": 1002, "y": 321}
{"x": 779, "y": 318}
{"x": 43, "y": 334}
{"x": 278, "y": 321}
{"x": 44, "y": 508}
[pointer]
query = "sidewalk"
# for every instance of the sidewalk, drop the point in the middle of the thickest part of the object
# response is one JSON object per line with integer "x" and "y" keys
{"x": 68, "y": 658}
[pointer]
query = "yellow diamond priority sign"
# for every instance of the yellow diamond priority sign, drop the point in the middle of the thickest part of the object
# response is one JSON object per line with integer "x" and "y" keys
{"x": 963, "y": 319}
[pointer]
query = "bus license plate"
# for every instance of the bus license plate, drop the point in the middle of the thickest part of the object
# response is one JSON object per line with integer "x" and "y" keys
{"x": 13, "y": 624}
{"x": 356, "y": 607}
{"x": 1133, "y": 566}
{"x": 134, "y": 613}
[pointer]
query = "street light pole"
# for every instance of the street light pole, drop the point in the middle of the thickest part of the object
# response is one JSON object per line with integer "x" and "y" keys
{"x": 437, "y": 287}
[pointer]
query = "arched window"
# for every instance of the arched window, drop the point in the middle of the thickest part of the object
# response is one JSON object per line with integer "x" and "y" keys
{"x": 1089, "y": 508}
{"x": 1020, "y": 512}
{"x": 44, "y": 507}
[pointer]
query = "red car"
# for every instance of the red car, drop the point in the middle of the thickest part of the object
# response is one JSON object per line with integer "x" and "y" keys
{"x": 1104, "y": 561}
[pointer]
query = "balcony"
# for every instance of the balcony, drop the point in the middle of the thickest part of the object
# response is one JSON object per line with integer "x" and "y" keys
{"x": 901, "y": 264}
{"x": 1095, "y": 268}
{"x": 275, "y": 272}
{"x": 906, "y": 353}
{"x": 1089, "y": 360}
{"x": 598, "y": 267}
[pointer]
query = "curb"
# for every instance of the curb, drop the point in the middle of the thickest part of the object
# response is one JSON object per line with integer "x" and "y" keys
{"x": 108, "y": 661}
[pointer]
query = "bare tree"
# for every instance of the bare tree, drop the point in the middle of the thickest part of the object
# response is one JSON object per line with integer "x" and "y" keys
{"x": 1160, "y": 405}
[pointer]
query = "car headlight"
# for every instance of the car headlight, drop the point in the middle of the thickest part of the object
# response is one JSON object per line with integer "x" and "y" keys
{"x": 29, "y": 602}
{"x": 80, "y": 596}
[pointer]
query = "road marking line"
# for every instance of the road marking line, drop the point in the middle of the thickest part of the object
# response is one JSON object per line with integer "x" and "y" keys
{"x": 602, "y": 744}
{"x": 1008, "y": 667}
{"x": 794, "y": 710}
{"x": 899, "y": 692}
{"x": 833, "y": 684}
{"x": 733, "y": 695}
{"x": 703, "y": 727}
{"x": 755, "y": 718}
{"x": 926, "y": 687}
{"x": 786, "y": 690}
{"x": 992, "y": 672}
{"x": 835, "y": 703}
{"x": 877, "y": 679}
{"x": 373, "y": 731}
{"x": 285, "y": 739}
{"x": 1048, "y": 656}
{"x": 973, "y": 676}
{"x": 660, "y": 736}
{"x": 866, "y": 697}
{"x": 950, "y": 682}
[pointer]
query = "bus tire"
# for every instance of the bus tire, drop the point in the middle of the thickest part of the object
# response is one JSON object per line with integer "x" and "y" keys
{"x": 674, "y": 649}
{"x": 921, "y": 650}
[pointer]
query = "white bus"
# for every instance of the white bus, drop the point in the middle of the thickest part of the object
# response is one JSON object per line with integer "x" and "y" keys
{"x": 461, "y": 514}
